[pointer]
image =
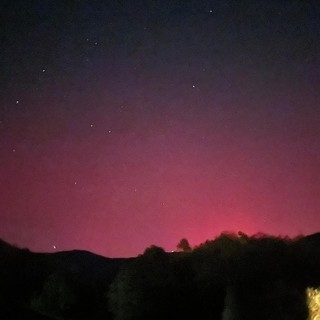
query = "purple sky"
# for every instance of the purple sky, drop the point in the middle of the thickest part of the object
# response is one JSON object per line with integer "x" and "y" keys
{"x": 129, "y": 124}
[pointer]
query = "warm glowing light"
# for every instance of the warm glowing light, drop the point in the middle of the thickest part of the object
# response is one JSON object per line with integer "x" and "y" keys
{"x": 313, "y": 299}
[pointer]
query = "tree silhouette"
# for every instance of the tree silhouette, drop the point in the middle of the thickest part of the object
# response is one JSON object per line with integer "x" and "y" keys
{"x": 143, "y": 289}
{"x": 57, "y": 297}
{"x": 184, "y": 245}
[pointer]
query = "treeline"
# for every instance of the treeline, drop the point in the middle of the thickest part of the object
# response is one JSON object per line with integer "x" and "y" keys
{"x": 231, "y": 277}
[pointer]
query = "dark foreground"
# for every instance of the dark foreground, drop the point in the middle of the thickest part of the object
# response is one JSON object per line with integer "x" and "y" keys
{"x": 230, "y": 277}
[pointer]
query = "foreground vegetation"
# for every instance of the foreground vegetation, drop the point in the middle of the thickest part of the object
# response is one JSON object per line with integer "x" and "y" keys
{"x": 231, "y": 277}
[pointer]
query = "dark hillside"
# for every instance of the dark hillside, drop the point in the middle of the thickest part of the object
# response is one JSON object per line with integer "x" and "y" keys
{"x": 62, "y": 284}
{"x": 233, "y": 276}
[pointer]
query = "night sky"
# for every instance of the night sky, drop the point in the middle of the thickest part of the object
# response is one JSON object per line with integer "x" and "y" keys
{"x": 130, "y": 123}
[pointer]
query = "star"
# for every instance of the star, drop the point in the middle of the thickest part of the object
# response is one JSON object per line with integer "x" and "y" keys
{"x": 17, "y": 101}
